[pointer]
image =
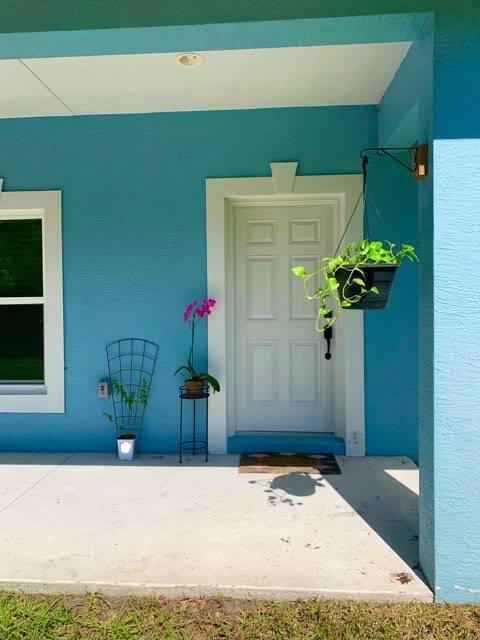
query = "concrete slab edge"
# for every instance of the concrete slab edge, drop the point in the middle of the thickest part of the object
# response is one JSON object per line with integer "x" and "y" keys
{"x": 175, "y": 591}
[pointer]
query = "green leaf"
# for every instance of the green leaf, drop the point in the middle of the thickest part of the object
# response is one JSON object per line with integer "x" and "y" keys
{"x": 213, "y": 382}
{"x": 183, "y": 368}
{"x": 332, "y": 264}
{"x": 300, "y": 272}
{"x": 374, "y": 290}
{"x": 346, "y": 303}
{"x": 359, "y": 281}
{"x": 332, "y": 283}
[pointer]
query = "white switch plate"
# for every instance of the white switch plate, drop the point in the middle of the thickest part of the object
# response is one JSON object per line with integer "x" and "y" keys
{"x": 102, "y": 389}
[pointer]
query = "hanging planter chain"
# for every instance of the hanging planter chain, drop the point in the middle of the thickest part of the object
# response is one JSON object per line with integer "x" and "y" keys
{"x": 418, "y": 171}
{"x": 361, "y": 277}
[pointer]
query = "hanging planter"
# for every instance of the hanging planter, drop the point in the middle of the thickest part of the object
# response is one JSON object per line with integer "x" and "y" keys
{"x": 362, "y": 275}
{"x": 378, "y": 279}
{"x": 358, "y": 278}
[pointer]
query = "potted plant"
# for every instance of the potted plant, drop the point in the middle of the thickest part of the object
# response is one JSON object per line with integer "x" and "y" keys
{"x": 358, "y": 278}
{"x": 126, "y": 439}
{"x": 195, "y": 381}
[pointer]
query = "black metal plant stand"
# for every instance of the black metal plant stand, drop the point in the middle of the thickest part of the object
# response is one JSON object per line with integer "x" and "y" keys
{"x": 195, "y": 445}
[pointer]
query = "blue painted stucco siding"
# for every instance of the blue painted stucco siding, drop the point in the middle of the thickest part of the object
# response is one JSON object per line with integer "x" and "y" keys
{"x": 456, "y": 238}
{"x": 393, "y": 385}
{"x": 405, "y": 118}
{"x": 449, "y": 348}
{"x": 134, "y": 235}
{"x": 42, "y": 43}
{"x": 447, "y": 52}
{"x": 398, "y": 109}
{"x": 391, "y": 335}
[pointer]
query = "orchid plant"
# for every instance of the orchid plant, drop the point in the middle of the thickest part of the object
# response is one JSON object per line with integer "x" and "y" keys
{"x": 193, "y": 313}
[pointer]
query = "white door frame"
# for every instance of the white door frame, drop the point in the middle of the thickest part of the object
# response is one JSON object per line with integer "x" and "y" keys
{"x": 221, "y": 195}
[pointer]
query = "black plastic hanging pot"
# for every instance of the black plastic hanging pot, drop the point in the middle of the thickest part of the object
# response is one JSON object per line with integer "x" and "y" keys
{"x": 375, "y": 275}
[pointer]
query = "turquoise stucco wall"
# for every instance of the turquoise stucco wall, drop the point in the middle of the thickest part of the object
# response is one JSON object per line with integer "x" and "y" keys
{"x": 398, "y": 109}
{"x": 143, "y": 177}
{"x": 456, "y": 314}
{"x": 134, "y": 234}
{"x": 391, "y": 336}
{"x": 393, "y": 417}
{"x": 449, "y": 349}
{"x": 236, "y": 35}
{"x": 405, "y": 117}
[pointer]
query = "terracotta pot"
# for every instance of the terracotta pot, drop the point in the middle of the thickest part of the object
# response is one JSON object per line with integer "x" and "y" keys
{"x": 194, "y": 387}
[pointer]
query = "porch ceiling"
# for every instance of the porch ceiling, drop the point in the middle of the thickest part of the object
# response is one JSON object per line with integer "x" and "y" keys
{"x": 235, "y": 79}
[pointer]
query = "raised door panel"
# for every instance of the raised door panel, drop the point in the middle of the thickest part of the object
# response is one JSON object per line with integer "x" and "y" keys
{"x": 262, "y": 372}
{"x": 261, "y": 287}
{"x": 305, "y": 231}
{"x": 304, "y": 373}
{"x": 300, "y": 308}
{"x": 261, "y": 232}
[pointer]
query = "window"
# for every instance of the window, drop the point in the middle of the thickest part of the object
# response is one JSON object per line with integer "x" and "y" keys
{"x": 31, "y": 310}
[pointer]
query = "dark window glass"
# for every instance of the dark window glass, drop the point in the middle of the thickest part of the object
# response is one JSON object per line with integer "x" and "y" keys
{"x": 21, "y": 343}
{"x": 21, "y": 258}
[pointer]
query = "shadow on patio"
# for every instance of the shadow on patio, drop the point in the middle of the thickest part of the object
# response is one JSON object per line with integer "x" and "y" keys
{"x": 386, "y": 498}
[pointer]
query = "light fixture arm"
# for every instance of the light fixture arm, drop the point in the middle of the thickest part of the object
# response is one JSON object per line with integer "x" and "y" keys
{"x": 419, "y": 171}
{"x": 419, "y": 166}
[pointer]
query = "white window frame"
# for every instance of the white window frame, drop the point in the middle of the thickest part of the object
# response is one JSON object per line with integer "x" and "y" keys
{"x": 48, "y": 397}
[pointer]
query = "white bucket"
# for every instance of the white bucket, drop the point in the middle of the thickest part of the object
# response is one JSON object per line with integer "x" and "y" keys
{"x": 126, "y": 448}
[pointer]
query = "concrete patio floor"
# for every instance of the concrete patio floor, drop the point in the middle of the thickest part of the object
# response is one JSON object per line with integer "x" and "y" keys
{"x": 76, "y": 522}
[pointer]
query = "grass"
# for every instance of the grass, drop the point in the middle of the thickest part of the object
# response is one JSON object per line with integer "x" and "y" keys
{"x": 94, "y": 617}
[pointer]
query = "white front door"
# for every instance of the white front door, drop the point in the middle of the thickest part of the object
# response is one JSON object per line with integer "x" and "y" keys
{"x": 282, "y": 380}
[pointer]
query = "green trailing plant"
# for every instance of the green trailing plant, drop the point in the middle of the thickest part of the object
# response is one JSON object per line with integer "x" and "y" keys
{"x": 128, "y": 398}
{"x": 344, "y": 278}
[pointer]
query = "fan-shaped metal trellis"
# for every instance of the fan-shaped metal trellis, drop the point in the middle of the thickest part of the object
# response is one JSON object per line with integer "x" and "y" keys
{"x": 131, "y": 363}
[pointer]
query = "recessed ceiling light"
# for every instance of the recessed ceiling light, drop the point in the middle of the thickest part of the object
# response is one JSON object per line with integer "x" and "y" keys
{"x": 189, "y": 59}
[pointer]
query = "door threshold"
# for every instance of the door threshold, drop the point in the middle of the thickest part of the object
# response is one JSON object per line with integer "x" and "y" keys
{"x": 284, "y": 441}
{"x": 289, "y": 434}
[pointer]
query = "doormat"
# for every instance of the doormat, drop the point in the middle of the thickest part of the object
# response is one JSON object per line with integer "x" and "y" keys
{"x": 324, "y": 463}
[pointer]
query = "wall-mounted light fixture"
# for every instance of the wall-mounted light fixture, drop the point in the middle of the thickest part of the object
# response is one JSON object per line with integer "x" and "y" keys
{"x": 420, "y": 159}
{"x": 419, "y": 165}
